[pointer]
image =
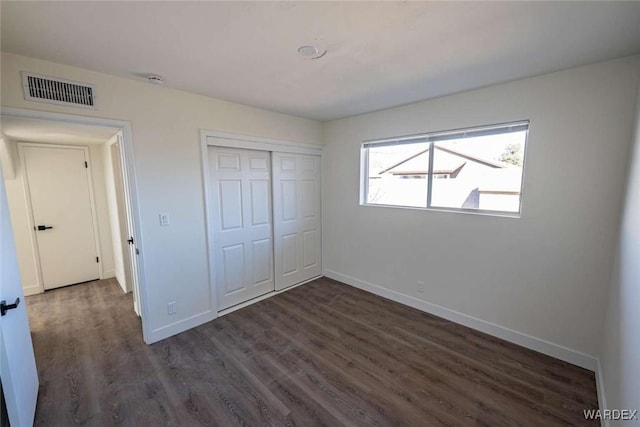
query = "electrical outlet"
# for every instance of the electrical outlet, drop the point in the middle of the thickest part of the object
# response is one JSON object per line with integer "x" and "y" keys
{"x": 420, "y": 286}
{"x": 171, "y": 307}
{"x": 164, "y": 219}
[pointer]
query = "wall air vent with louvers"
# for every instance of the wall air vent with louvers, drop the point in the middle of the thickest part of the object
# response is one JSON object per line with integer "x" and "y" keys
{"x": 58, "y": 91}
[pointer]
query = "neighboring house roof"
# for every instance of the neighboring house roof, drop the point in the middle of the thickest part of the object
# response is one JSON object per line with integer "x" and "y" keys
{"x": 501, "y": 181}
{"x": 448, "y": 161}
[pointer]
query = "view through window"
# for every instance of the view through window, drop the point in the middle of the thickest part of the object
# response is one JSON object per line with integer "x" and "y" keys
{"x": 478, "y": 169}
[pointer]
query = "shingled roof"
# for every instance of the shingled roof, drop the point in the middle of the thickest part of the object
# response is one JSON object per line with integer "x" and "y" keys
{"x": 418, "y": 164}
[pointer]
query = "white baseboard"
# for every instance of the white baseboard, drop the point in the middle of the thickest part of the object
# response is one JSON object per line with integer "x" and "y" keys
{"x": 32, "y": 290}
{"x": 179, "y": 326}
{"x": 122, "y": 287}
{"x": 108, "y": 274}
{"x": 543, "y": 346}
{"x": 120, "y": 277}
{"x": 602, "y": 397}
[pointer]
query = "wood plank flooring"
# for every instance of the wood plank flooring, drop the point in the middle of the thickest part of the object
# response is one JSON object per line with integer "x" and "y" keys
{"x": 320, "y": 354}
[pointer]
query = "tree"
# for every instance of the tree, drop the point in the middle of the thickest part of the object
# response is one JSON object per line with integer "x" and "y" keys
{"x": 512, "y": 154}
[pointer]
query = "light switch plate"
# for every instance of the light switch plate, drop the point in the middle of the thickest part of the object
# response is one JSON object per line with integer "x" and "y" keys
{"x": 164, "y": 219}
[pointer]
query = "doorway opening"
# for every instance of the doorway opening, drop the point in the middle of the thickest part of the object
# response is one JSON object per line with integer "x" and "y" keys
{"x": 71, "y": 190}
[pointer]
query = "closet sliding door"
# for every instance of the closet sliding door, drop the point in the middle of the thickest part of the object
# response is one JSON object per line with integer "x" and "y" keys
{"x": 296, "y": 218}
{"x": 240, "y": 196}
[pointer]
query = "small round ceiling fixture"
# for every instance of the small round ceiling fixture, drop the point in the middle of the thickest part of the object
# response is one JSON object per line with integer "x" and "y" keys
{"x": 311, "y": 52}
{"x": 156, "y": 79}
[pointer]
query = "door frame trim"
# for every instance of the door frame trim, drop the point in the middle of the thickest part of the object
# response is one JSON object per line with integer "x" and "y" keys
{"x": 31, "y": 219}
{"x": 236, "y": 140}
{"x": 233, "y": 140}
{"x": 131, "y": 183}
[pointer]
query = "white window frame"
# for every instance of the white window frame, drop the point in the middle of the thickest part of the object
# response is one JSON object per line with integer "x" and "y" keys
{"x": 432, "y": 138}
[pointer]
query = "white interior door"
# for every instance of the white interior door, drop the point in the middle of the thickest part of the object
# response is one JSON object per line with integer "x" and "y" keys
{"x": 240, "y": 187}
{"x": 125, "y": 214}
{"x": 123, "y": 228}
{"x": 296, "y": 218}
{"x": 17, "y": 363}
{"x": 59, "y": 190}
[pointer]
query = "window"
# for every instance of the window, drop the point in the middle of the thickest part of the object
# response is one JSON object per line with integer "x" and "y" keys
{"x": 477, "y": 170}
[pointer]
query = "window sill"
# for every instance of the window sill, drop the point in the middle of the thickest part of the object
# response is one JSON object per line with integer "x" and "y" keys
{"x": 500, "y": 214}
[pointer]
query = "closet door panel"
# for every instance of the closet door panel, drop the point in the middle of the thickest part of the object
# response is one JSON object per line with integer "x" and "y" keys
{"x": 241, "y": 217}
{"x": 262, "y": 261}
{"x": 297, "y": 218}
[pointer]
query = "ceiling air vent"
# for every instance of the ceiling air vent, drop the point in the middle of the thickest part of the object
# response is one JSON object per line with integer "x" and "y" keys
{"x": 58, "y": 91}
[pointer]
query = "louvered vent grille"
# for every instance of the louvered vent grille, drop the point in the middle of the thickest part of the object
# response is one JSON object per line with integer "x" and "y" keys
{"x": 58, "y": 91}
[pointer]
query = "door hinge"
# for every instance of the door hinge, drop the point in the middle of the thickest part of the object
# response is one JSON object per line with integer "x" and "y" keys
{"x": 97, "y": 259}
{"x": 137, "y": 251}
{"x": 86, "y": 165}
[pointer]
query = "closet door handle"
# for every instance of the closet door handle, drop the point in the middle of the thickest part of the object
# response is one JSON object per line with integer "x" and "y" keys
{"x": 44, "y": 227}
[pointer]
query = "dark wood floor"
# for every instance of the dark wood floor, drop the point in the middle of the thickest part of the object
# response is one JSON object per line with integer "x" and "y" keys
{"x": 320, "y": 354}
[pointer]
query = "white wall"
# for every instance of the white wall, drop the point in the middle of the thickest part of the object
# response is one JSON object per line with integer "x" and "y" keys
{"x": 19, "y": 217}
{"x": 620, "y": 354}
{"x": 165, "y": 126}
{"x": 114, "y": 218}
{"x": 545, "y": 274}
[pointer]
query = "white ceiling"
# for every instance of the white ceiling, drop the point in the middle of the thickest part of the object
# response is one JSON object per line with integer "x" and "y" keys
{"x": 48, "y": 131}
{"x": 380, "y": 54}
